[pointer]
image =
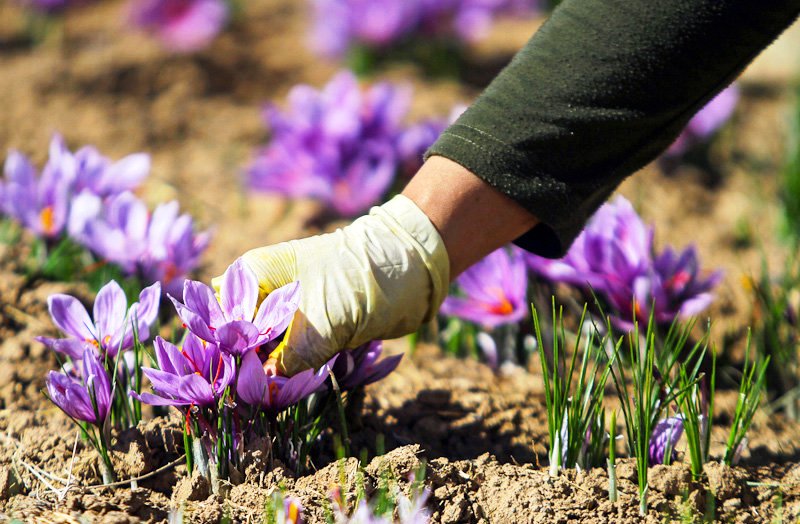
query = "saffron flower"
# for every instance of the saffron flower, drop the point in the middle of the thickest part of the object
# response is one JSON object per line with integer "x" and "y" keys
{"x": 39, "y": 202}
{"x": 51, "y": 6}
{"x": 494, "y": 290}
{"x": 181, "y": 25}
{"x": 233, "y": 322}
{"x": 100, "y": 176}
{"x": 360, "y": 366}
{"x": 85, "y": 399}
{"x": 162, "y": 246}
{"x": 46, "y": 203}
{"x": 379, "y": 24}
{"x": 337, "y": 145}
{"x": 111, "y": 330}
{"x": 666, "y": 435}
{"x": 706, "y": 122}
{"x": 194, "y": 375}
{"x": 615, "y": 258}
{"x": 272, "y": 392}
{"x": 338, "y": 24}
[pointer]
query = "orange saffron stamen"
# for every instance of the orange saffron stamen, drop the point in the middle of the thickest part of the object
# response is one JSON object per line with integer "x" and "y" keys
{"x": 47, "y": 220}
{"x": 293, "y": 512}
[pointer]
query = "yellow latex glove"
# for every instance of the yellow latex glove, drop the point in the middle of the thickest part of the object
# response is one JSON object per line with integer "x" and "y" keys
{"x": 380, "y": 277}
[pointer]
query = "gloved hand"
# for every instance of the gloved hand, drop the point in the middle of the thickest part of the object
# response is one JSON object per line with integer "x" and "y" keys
{"x": 380, "y": 277}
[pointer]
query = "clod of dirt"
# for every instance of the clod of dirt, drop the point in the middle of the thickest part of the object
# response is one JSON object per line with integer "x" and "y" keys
{"x": 723, "y": 481}
{"x": 8, "y": 483}
{"x": 669, "y": 480}
{"x": 194, "y": 488}
{"x": 130, "y": 455}
{"x": 401, "y": 463}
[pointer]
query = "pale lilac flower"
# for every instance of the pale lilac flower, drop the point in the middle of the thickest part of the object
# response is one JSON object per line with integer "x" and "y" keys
{"x": 87, "y": 398}
{"x": 666, "y": 434}
{"x": 158, "y": 247}
{"x": 275, "y": 393}
{"x": 196, "y": 374}
{"x": 379, "y": 24}
{"x": 706, "y": 122}
{"x": 181, "y": 25}
{"x": 615, "y": 258}
{"x": 292, "y": 512}
{"x": 39, "y": 202}
{"x": 70, "y": 189}
{"x": 51, "y": 6}
{"x": 360, "y": 366}
{"x": 233, "y": 321}
{"x": 495, "y": 291}
{"x": 112, "y": 329}
{"x": 100, "y": 176}
{"x": 337, "y": 145}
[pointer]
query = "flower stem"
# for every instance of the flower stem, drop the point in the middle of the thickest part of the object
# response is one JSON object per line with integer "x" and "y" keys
{"x": 200, "y": 457}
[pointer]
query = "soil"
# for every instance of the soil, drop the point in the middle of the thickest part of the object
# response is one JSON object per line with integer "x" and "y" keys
{"x": 482, "y": 433}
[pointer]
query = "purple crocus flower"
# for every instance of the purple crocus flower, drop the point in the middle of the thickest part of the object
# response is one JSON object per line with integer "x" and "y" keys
{"x": 100, "y": 176}
{"x": 48, "y": 203}
{"x": 181, "y": 25}
{"x": 706, "y": 122}
{"x": 337, "y": 145}
{"x": 292, "y": 511}
{"x": 87, "y": 398}
{"x": 495, "y": 290}
{"x": 40, "y": 203}
{"x": 667, "y": 433}
{"x": 51, "y": 6}
{"x": 112, "y": 328}
{"x": 360, "y": 367}
{"x": 272, "y": 392}
{"x": 197, "y": 374}
{"x": 615, "y": 258}
{"x": 233, "y": 321}
{"x": 379, "y": 24}
{"x": 162, "y": 246}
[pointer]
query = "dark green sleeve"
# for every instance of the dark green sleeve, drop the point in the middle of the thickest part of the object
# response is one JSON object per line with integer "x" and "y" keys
{"x": 600, "y": 90}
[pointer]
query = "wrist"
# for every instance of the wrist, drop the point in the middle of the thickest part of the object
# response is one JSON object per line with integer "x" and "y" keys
{"x": 472, "y": 217}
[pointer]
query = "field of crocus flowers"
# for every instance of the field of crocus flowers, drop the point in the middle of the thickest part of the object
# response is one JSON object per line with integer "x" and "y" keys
{"x": 149, "y": 143}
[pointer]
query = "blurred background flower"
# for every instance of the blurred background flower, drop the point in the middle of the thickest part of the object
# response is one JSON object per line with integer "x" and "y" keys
{"x": 181, "y": 26}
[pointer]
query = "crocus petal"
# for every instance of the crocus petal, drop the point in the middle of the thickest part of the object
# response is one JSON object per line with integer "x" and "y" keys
{"x": 298, "y": 387}
{"x": 70, "y": 347}
{"x": 110, "y": 310}
{"x": 145, "y": 312}
{"x": 71, "y": 317}
{"x": 126, "y": 174}
{"x": 164, "y": 383}
{"x": 200, "y": 299}
{"x": 194, "y": 322}
{"x": 197, "y": 389}
{"x": 97, "y": 383}
{"x": 170, "y": 359}
{"x": 277, "y": 311}
{"x": 239, "y": 291}
{"x": 155, "y": 400}
{"x": 70, "y": 396}
{"x": 237, "y": 337}
{"x": 251, "y": 385}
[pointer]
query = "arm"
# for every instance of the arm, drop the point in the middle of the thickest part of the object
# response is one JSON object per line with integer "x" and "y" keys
{"x": 600, "y": 90}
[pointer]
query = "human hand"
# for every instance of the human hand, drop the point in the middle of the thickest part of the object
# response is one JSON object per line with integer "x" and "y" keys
{"x": 380, "y": 277}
